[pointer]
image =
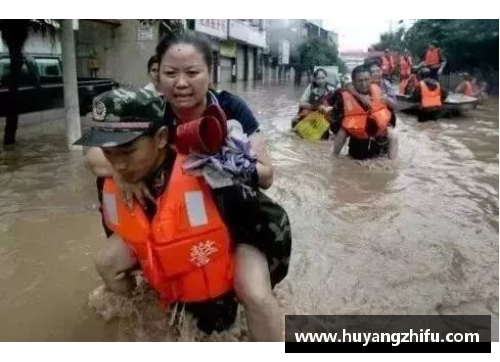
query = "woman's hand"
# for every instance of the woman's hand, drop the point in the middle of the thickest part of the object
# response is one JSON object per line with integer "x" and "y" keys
{"x": 391, "y": 103}
{"x": 131, "y": 191}
{"x": 325, "y": 109}
{"x": 365, "y": 101}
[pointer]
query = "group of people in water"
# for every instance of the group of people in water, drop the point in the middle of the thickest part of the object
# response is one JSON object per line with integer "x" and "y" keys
{"x": 363, "y": 108}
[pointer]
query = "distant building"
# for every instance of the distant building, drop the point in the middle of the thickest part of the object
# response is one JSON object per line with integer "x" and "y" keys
{"x": 285, "y": 37}
{"x": 354, "y": 58}
{"x": 333, "y": 37}
{"x": 120, "y": 48}
{"x": 238, "y": 46}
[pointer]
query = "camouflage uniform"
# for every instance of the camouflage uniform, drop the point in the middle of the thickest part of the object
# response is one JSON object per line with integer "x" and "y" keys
{"x": 122, "y": 115}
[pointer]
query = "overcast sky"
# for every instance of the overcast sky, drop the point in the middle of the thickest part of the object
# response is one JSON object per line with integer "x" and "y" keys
{"x": 358, "y": 34}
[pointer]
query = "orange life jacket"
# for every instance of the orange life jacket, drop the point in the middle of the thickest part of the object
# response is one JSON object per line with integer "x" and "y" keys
{"x": 387, "y": 64}
{"x": 468, "y": 88}
{"x": 186, "y": 252}
{"x": 355, "y": 117}
{"x": 432, "y": 57}
{"x": 430, "y": 98}
{"x": 404, "y": 67}
{"x": 376, "y": 92}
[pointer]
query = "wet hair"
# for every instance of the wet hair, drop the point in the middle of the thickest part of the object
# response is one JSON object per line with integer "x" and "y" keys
{"x": 152, "y": 61}
{"x": 319, "y": 70}
{"x": 316, "y": 73}
{"x": 198, "y": 41}
{"x": 359, "y": 69}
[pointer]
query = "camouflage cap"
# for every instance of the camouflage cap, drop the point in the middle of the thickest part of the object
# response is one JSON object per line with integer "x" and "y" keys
{"x": 121, "y": 115}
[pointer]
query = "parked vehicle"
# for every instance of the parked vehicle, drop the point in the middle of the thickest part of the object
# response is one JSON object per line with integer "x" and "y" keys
{"x": 41, "y": 85}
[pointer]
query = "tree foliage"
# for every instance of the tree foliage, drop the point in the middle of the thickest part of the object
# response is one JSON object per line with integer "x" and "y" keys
{"x": 318, "y": 52}
{"x": 468, "y": 44}
{"x": 391, "y": 40}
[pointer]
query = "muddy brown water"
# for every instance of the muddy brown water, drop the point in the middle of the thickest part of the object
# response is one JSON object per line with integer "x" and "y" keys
{"x": 416, "y": 237}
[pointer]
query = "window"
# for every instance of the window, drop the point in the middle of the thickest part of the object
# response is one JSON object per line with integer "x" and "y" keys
{"x": 48, "y": 67}
{"x": 25, "y": 78}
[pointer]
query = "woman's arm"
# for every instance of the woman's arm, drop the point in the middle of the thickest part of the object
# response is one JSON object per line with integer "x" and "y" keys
{"x": 304, "y": 100}
{"x": 237, "y": 109}
{"x": 264, "y": 165}
{"x": 390, "y": 102}
{"x": 339, "y": 141}
{"x": 96, "y": 162}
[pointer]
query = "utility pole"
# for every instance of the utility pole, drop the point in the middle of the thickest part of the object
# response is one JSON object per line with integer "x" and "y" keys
{"x": 71, "y": 103}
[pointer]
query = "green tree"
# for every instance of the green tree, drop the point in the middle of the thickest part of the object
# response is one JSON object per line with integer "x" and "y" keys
{"x": 468, "y": 43}
{"x": 314, "y": 53}
{"x": 391, "y": 40}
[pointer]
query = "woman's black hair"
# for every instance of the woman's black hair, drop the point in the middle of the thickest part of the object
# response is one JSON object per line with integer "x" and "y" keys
{"x": 198, "y": 41}
{"x": 316, "y": 73}
{"x": 152, "y": 61}
{"x": 319, "y": 70}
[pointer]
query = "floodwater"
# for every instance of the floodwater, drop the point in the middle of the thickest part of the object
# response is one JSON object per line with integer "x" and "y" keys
{"x": 416, "y": 237}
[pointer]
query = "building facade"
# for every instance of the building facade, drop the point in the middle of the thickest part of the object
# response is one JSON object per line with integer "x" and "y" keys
{"x": 120, "y": 49}
{"x": 237, "y": 47}
{"x": 285, "y": 36}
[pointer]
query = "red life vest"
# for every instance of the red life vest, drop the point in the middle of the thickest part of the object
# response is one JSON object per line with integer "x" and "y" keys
{"x": 432, "y": 58}
{"x": 430, "y": 98}
{"x": 355, "y": 117}
{"x": 186, "y": 252}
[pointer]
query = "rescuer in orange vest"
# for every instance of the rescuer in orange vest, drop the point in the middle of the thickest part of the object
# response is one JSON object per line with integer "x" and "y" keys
{"x": 430, "y": 96}
{"x": 183, "y": 239}
{"x": 466, "y": 86}
{"x": 405, "y": 65}
{"x": 434, "y": 60}
{"x": 363, "y": 116}
{"x": 387, "y": 65}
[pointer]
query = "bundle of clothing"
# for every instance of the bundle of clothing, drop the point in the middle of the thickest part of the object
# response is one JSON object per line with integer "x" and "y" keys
{"x": 251, "y": 216}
